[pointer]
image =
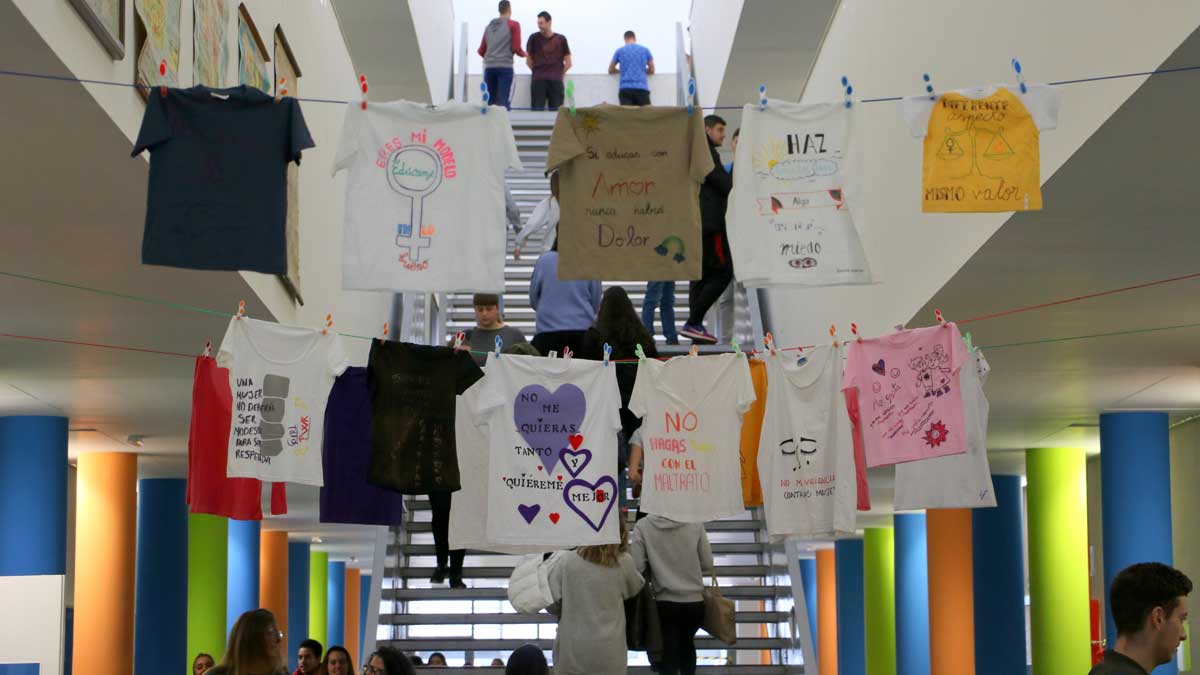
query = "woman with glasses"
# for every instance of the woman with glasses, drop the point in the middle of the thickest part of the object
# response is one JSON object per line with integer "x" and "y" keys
{"x": 337, "y": 661}
{"x": 255, "y": 647}
{"x": 388, "y": 661}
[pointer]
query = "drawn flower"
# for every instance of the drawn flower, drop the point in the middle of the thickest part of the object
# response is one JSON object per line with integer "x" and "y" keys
{"x": 936, "y": 434}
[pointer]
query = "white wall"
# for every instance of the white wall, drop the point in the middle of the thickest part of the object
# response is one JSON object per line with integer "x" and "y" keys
{"x": 31, "y": 627}
{"x": 435, "y": 28}
{"x": 713, "y": 26}
{"x": 589, "y": 89}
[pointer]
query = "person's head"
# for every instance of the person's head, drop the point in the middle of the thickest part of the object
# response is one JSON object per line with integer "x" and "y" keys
{"x": 497, "y": 662}
{"x": 714, "y": 126}
{"x": 554, "y": 184}
{"x": 1148, "y": 602}
{"x": 388, "y": 661}
{"x": 520, "y": 349}
{"x": 608, "y": 555}
{"x": 487, "y": 310}
{"x": 505, "y": 8}
{"x": 619, "y": 322}
{"x": 416, "y": 660}
{"x": 308, "y": 656}
{"x": 337, "y": 661}
{"x": 733, "y": 143}
{"x": 255, "y": 644}
{"x": 527, "y": 660}
{"x": 544, "y": 21}
{"x": 630, "y": 37}
{"x": 202, "y": 663}
{"x": 437, "y": 659}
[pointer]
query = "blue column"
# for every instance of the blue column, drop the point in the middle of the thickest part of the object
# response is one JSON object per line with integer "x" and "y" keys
{"x": 337, "y": 603}
{"x": 1135, "y": 493}
{"x": 241, "y": 591}
{"x": 160, "y": 593}
{"x": 912, "y": 595}
{"x": 33, "y": 496}
{"x": 364, "y": 607}
{"x": 808, "y": 576}
{"x": 851, "y": 616}
{"x": 297, "y": 600}
{"x": 998, "y": 552}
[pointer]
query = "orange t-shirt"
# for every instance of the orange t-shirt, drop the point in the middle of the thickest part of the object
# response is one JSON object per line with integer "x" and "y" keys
{"x": 751, "y": 431}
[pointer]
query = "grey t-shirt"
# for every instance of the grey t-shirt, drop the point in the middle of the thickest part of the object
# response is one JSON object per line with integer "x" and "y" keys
{"x": 1115, "y": 663}
{"x": 591, "y": 627}
{"x": 483, "y": 340}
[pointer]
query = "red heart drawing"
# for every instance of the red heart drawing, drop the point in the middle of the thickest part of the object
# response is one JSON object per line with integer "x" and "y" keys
{"x": 576, "y": 440}
{"x": 554, "y": 518}
{"x": 560, "y": 476}
{"x": 539, "y": 467}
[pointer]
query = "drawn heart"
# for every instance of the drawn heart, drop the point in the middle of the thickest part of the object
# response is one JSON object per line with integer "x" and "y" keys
{"x": 529, "y": 511}
{"x": 585, "y": 499}
{"x": 547, "y": 421}
{"x": 560, "y": 476}
{"x": 576, "y": 441}
{"x": 879, "y": 368}
{"x": 575, "y": 460}
{"x": 554, "y": 518}
{"x": 539, "y": 467}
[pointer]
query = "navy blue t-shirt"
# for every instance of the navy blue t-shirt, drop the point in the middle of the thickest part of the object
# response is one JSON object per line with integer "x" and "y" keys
{"x": 217, "y": 196}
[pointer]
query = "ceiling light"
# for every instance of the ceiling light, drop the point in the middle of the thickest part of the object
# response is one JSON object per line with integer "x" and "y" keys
{"x": 136, "y": 440}
{"x": 316, "y": 540}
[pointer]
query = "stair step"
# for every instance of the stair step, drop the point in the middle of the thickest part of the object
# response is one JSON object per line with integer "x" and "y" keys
{"x": 749, "y": 547}
{"x": 505, "y": 571}
{"x": 540, "y": 617}
{"x": 491, "y": 645}
{"x": 446, "y": 593}
{"x": 712, "y": 526}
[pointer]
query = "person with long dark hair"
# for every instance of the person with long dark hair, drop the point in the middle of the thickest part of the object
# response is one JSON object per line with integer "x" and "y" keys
{"x": 526, "y": 660}
{"x": 338, "y": 661}
{"x": 388, "y": 661}
{"x": 255, "y": 647}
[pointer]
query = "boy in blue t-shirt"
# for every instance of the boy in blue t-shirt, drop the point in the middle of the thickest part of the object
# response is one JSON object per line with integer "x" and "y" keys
{"x": 635, "y": 63}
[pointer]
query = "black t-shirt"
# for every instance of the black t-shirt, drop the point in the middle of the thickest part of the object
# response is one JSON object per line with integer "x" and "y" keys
{"x": 548, "y": 54}
{"x": 217, "y": 197}
{"x": 1115, "y": 663}
{"x": 412, "y": 398}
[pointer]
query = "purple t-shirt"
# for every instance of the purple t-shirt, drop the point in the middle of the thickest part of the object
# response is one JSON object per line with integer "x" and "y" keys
{"x": 347, "y": 497}
{"x": 547, "y": 53}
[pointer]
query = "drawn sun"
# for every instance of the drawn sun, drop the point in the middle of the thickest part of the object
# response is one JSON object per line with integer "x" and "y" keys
{"x": 590, "y": 123}
{"x": 767, "y": 156}
{"x": 936, "y": 434}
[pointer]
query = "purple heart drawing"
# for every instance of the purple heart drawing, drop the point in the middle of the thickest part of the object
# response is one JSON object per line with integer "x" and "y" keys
{"x": 879, "y": 368}
{"x": 575, "y": 460}
{"x": 589, "y": 500}
{"x": 529, "y": 511}
{"x": 547, "y": 421}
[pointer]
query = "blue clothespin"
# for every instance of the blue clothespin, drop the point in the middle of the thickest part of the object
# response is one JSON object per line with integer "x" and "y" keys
{"x": 499, "y": 346}
{"x": 928, "y": 86}
{"x": 640, "y": 353}
{"x": 762, "y": 97}
{"x": 1020, "y": 78}
{"x": 849, "y": 90}
{"x": 608, "y": 352}
{"x": 691, "y": 94}
{"x": 486, "y": 97}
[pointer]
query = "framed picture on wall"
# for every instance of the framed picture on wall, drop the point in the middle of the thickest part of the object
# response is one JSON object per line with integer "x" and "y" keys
{"x": 210, "y": 49}
{"x": 287, "y": 76}
{"x": 252, "y": 54}
{"x": 106, "y": 19}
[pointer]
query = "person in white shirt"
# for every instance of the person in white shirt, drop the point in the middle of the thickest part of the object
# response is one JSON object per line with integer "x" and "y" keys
{"x": 544, "y": 217}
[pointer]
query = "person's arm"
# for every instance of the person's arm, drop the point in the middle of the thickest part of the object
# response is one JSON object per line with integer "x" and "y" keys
{"x": 719, "y": 180}
{"x": 529, "y": 52}
{"x": 706, "y": 557}
{"x": 650, "y": 67}
{"x": 596, "y": 292}
{"x": 515, "y": 29}
{"x": 537, "y": 220}
{"x": 612, "y": 66}
{"x": 483, "y": 46}
{"x": 635, "y": 464}
{"x": 566, "y": 62}
{"x": 535, "y": 285}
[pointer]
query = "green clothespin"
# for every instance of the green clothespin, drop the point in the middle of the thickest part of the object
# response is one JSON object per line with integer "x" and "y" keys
{"x": 967, "y": 340}
{"x": 571, "y": 96}
{"x": 737, "y": 348}
{"x": 641, "y": 353}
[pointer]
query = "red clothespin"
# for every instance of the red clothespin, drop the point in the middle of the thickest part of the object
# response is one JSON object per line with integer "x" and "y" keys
{"x": 241, "y": 309}
{"x": 385, "y": 330}
{"x": 207, "y": 348}
{"x": 162, "y": 70}
{"x": 458, "y": 340}
{"x": 854, "y": 329}
{"x": 566, "y": 352}
{"x": 362, "y": 81}
{"x": 328, "y": 324}
{"x": 833, "y": 334}
{"x": 937, "y": 313}
{"x": 281, "y": 90}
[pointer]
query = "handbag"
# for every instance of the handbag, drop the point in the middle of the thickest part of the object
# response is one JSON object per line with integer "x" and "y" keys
{"x": 643, "y": 630}
{"x": 719, "y": 614}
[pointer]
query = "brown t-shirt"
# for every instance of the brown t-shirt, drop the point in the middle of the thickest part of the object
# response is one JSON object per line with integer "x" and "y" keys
{"x": 629, "y": 181}
{"x": 547, "y": 53}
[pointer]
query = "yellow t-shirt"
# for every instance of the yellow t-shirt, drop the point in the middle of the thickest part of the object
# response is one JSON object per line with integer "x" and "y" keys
{"x": 982, "y": 152}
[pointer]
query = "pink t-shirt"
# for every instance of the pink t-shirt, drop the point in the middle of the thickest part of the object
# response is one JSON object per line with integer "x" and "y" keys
{"x": 908, "y": 394}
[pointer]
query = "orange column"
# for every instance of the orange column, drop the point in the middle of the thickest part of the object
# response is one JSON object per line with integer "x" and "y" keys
{"x": 105, "y": 557}
{"x": 353, "y": 605}
{"x": 273, "y": 575}
{"x": 951, "y": 592}
{"x": 827, "y": 636}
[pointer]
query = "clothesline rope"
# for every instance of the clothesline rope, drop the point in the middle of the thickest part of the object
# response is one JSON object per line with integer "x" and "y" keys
{"x": 1081, "y": 80}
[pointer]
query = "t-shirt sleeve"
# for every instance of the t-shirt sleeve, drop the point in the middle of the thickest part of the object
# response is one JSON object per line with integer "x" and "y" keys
{"x": 491, "y": 396}
{"x": 300, "y": 140}
{"x": 702, "y": 163}
{"x": 958, "y": 350}
{"x": 916, "y": 111}
{"x": 630, "y": 579}
{"x": 226, "y": 350}
{"x": 1042, "y": 101}
{"x": 504, "y": 138}
{"x": 564, "y": 142}
{"x": 649, "y": 56}
{"x": 612, "y": 393}
{"x": 338, "y": 361}
{"x": 745, "y": 385}
{"x": 347, "y": 148}
{"x": 469, "y": 372}
{"x": 641, "y": 389}
{"x": 566, "y": 47}
{"x": 616, "y": 57}
{"x": 155, "y": 130}
{"x": 854, "y": 361}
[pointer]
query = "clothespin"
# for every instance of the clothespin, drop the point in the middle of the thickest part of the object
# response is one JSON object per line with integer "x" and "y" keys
{"x": 385, "y": 330}
{"x": 937, "y": 314}
{"x": 567, "y": 352}
{"x": 833, "y": 334}
{"x": 571, "y": 97}
{"x": 854, "y": 329}
{"x": 762, "y": 97}
{"x": 608, "y": 351}
{"x": 769, "y": 343}
{"x": 899, "y": 327}
{"x": 694, "y": 351}
{"x": 208, "y": 347}
{"x": 281, "y": 90}
{"x": 458, "y": 340}
{"x": 639, "y": 352}
{"x": 691, "y": 94}
{"x": 967, "y": 339}
{"x": 849, "y": 90}
{"x": 362, "y": 83}
{"x": 328, "y": 324}
{"x": 733, "y": 342}
{"x": 1020, "y": 78}
{"x": 162, "y": 70}
{"x": 928, "y": 86}
{"x": 486, "y": 97}
{"x": 499, "y": 346}
{"x": 241, "y": 309}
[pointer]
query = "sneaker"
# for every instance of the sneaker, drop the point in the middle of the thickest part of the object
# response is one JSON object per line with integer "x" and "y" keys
{"x": 696, "y": 333}
{"x": 456, "y": 580}
{"x": 438, "y": 576}
{"x": 673, "y": 341}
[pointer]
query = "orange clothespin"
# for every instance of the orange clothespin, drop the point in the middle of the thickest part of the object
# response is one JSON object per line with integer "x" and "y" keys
{"x": 769, "y": 343}
{"x": 833, "y": 334}
{"x": 854, "y": 329}
{"x": 362, "y": 81}
{"x": 281, "y": 90}
{"x": 328, "y": 324}
{"x": 458, "y": 340}
{"x": 694, "y": 350}
{"x": 241, "y": 309}
{"x": 162, "y": 70}
{"x": 385, "y": 330}
{"x": 937, "y": 313}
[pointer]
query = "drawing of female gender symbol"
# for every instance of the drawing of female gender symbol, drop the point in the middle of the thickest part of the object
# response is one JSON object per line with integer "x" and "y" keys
{"x": 414, "y": 171}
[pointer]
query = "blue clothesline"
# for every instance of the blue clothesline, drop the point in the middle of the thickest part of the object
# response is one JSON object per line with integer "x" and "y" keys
{"x": 1098, "y": 78}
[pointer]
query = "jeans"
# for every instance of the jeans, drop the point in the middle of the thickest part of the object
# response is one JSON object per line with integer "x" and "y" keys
{"x": 439, "y": 503}
{"x": 634, "y": 96}
{"x": 716, "y": 275}
{"x": 499, "y": 84}
{"x": 661, "y": 295}
{"x": 680, "y": 621}
{"x": 543, "y": 92}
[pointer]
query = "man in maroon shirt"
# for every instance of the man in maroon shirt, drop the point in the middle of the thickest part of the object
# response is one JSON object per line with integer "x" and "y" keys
{"x": 549, "y": 57}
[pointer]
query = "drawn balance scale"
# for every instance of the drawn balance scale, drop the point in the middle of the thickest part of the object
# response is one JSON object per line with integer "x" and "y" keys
{"x": 414, "y": 171}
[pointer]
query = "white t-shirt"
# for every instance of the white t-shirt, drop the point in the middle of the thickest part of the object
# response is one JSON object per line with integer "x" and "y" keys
{"x": 794, "y": 192}
{"x": 957, "y": 481}
{"x": 553, "y": 430}
{"x": 806, "y": 452}
{"x": 280, "y": 377}
{"x": 425, "y": 193}
{"x": 691, "y": 409}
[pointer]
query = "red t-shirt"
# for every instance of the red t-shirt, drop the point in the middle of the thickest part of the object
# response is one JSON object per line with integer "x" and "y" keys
{"x": 208, "y": 490}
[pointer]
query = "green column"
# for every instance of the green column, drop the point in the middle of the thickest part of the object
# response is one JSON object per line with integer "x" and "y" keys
{"x": 208, "y": 547}
{"x": 318, "y": 597}
{"x": 879, "y": 596}
{"x": 1058, "y": 560}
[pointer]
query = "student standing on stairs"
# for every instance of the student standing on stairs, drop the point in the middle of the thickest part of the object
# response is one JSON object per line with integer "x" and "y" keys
{"x": 489, "y": 323}
{"x": 549, "y": 57}
{"x": 544, "y": 217}
{"x": 717, "y": 264}
{"x": 565, "y": 309}
{"x": 634, "y": 63}
{"x": 501, "y": 39}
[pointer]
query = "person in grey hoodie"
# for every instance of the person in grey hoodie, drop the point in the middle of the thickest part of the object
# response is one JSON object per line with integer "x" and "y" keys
{"x": 501, "y": 40}
{"x": 680, "y": 559}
